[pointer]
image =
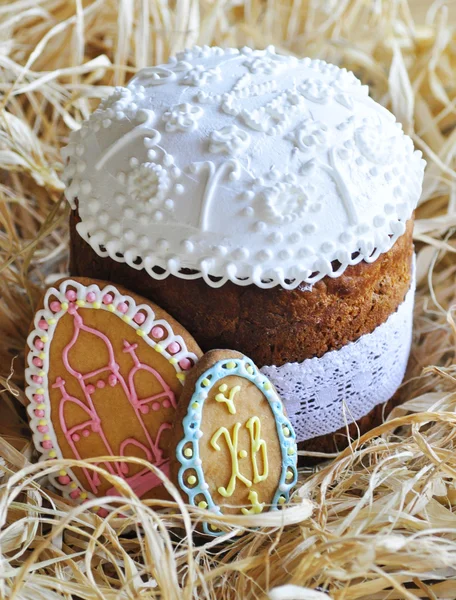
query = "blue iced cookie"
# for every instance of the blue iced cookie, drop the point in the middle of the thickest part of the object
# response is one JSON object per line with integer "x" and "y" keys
{"x": 233, "y": 449}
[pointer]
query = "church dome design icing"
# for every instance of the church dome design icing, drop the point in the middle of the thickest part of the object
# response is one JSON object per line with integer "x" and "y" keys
{"x": 242, "y": 165}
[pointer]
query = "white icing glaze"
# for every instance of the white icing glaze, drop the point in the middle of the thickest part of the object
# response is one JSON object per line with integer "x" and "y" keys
{"x": 242, "y": 165}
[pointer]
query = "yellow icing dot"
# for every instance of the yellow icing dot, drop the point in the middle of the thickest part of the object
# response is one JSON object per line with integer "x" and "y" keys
{"x": 80, "y": 302}
{"x": 46, "y": 437}
{"x": 42, "y": 422}
{"x": 83, "y": 496}
{"x": 205, "y": 382}
{"x": 140, "y": 332}
{"x": 111, "y": 307}
{"x": 44, "y": 338}
{"x": 223, "y": 387}
{"x": 52, "y": 321}
{"x": 96, "y": 304}
{"x": 282, "y": 500}
{"x": 40, "y": 391}
{"x": 289, "y": 475}
{"x": 180, "y": 376}
{"x": 202, "y": 504}
{"x": 126, "y": 318}
{"x": 73, "y": 485}
{"x": 188, "y": 452}
{"x": 41, "y": 406}
{"x": 230, "y": 365}
{"x": 173, "y": 361}
{"x": 64, "y": 306}
{"x": 242, "y": 454}
{"x": 191, "y": 480}
{"x": 195, "y": 405}
{"x": 42, "y": 355}
{"x": 249, "y": 370}
{"x": 52, "y": 454}
{"x": 213, "y": 527}
{"x": 286, "y": 432}
{"x": 267, "y": 385}
{"x": 158, "y": 348}
{"x": 41, "y": 373}
{"x": 62, "y": 473}
{"x": 291, "y": 451}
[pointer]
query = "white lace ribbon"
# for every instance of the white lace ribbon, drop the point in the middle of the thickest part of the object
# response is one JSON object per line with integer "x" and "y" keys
{"x": 323, "y": 394}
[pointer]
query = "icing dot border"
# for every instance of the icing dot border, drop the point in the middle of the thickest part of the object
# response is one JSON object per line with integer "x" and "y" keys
{"x": 45, "y": 324}
{"x": 245, "y": 368}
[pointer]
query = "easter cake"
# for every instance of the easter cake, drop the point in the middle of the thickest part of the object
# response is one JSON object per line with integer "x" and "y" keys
{"x": 265, "y": 202}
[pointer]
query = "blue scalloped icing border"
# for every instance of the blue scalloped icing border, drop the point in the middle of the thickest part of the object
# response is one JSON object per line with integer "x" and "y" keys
{"x": 192, "y": 432}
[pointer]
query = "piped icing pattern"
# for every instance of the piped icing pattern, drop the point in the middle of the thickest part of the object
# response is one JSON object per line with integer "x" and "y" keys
{"x": 242, "y": 165}
{"x": 191, "y": 474}
{"x": 70, "y": 299}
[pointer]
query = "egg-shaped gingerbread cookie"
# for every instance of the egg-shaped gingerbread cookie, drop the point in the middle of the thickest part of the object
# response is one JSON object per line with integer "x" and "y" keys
{"x": 105, "y": 372}
{"x": 232, "y": 450}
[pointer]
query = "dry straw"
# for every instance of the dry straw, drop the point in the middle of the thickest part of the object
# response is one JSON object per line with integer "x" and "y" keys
{"x": 383, "y": 521}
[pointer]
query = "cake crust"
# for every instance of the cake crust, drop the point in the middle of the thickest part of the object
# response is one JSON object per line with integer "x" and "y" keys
{"x": 271, "y": 326}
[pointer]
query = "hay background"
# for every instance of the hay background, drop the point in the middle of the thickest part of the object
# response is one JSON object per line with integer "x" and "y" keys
{"x": 383, "y": 521}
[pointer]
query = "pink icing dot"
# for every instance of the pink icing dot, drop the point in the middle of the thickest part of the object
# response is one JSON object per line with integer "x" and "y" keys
{"x": 174, "y": 348}
{"x": 37, "y": 362}
{"x": 38, "y": 398}
{"x": 39, "y": 413}
{"x": 75, "y": 493}
{"x": 139, "y": 318}
{"x": 100, "y": 384}
{"x": 122, "y": 307}
{"x": 75, "y": 437}
{"x": 43, "y": 324}
{"x": 71, "y": 295}
{"x": 64, "y": 479}
{"x": 43, "y": 428}
{"x": 155, "y": 406}
{"x": 86, "y": 433}
{"x": 157, "y": 332}
{"x": 185, "y": 364}
{"x": 90, "y": 388}
{"x": 107, "y": 299}
{"x": 47, "y": 444}
{"x": 55, "y": 306}
{"x": 37, "y": 379}
{"x": 166, "y": 404}
{"x": 144, "y": 409}
{"x": 39, "y": 345}
{"x": 102, "y": 512}
{"x": 112, "y": 380}
{"x": 91, "y": 297}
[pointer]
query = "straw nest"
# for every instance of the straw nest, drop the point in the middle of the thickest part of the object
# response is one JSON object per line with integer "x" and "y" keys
{"x": 376, "y": 521}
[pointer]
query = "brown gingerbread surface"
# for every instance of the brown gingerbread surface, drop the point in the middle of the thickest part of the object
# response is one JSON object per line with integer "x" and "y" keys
{"x": 225, "y": 446}
{"x": 141, "y": 373}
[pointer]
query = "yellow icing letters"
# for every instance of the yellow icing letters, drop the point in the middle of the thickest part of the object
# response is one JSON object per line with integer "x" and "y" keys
{"x": 257, "y": 507}
{"x": 230, "y": 400}
{"x": 257, "y": 445}
{"x": 232, "y": 444}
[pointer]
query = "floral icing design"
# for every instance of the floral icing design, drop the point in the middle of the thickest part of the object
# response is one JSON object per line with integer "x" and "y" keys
{"x": 319, "y": 91}
{"x": 231, "y": 140}
{"x": 309, "y": 134}
{"x": 149, "y": 182}
{"x": 67, "y": 301}
{"x": 283, "y": 199}
{"x": 200, "y": 76}
{"x": 182, "y": 117}
{"x": 188, "y": 451}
